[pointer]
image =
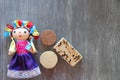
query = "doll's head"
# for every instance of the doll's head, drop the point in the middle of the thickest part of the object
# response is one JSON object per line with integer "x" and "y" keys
{"x": 20, "y": 34}
{"x": 21, "y": 30}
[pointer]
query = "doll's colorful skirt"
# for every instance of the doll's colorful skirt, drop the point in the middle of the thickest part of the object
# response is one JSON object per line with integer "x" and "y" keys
{"x": 23, "y": 66}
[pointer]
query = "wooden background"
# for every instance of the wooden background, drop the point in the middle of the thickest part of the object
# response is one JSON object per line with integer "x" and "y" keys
{"x": 91, "y": 26}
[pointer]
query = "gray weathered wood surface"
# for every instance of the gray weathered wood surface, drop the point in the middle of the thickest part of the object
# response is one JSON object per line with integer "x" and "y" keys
{"x": 91, "y": 26}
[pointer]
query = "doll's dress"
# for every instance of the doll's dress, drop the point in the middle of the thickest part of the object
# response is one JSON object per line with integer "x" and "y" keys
{"x": 23, "y": 64}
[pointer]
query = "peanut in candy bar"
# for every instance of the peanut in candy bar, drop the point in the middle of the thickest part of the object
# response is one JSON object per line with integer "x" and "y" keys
{"x": 67, "y": 52}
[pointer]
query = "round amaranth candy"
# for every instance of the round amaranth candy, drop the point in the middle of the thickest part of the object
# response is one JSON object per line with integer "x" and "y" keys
{"x": 48, "y": 59}
{"x": 48, "y": 37}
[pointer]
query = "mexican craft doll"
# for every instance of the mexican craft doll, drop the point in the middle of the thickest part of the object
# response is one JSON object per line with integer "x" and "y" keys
{"x": 22, "y": 64}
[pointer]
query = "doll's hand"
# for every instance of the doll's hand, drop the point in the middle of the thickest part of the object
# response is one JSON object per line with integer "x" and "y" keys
{"x": 32, "y": 51}
{"x": 10, "y": 53}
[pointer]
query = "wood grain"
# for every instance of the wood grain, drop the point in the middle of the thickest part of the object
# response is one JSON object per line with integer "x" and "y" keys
{"x": 91, "y": 26}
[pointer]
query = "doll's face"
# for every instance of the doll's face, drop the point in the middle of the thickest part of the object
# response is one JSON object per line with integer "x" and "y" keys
{"x": 20, "y": 34}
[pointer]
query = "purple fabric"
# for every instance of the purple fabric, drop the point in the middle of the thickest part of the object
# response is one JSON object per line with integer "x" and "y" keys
{"x": 23, "y": 62}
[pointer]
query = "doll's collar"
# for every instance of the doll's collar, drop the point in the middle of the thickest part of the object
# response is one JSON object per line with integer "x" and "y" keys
{"x": 20, "y": 40}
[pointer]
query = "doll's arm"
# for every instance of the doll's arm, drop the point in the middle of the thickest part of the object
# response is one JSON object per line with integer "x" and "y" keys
{"x": 30, "y": 47}
{"x": 12, "y": 48}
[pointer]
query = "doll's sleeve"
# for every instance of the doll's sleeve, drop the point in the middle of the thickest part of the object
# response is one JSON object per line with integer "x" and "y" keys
{"x": 33, "y": 47}
{"x": 12, "y": 47}
{"x": 28, "y": 46}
